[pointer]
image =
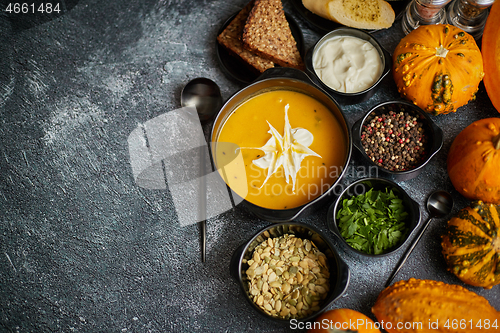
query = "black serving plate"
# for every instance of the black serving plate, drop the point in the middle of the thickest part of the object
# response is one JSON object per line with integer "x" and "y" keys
{"x": 323, "y": 25}
{"x": 234, "y": 67}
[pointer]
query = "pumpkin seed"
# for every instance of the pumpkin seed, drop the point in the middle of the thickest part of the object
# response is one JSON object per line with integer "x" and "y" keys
{"x": 250, "y": 273}
{"x": 259, "y": 270}
{"x": 275, "y": 284}
{"x": 286, "y": 287}
{"x": 259, "y": 284}
{"x": 322, "y": 260}
{"x": 284, "y": 312}
{"x": 298, "y": 242}
{"x": 300, "y": 277}
{"x": 277, "y": 306}
{"x": 312, "y": 256}
{"x": 287, "y": 276}
{"x": 320, "y": 289}
{"x": 320, "y": 281}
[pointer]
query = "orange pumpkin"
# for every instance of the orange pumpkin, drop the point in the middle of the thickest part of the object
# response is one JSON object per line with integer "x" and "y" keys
{"x": 341, "y": 320}
{"x": 418, "y": 306}
{"x": 490, "y": 48}
{"x": 438, "y": 67}
{"x": 474, "y": 161}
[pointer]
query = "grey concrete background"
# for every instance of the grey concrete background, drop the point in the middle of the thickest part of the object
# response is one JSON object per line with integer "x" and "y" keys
{"x": 82, "y": 248}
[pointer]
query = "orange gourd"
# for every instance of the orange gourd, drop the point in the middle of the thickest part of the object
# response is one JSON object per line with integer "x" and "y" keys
{"x": 341, "y": 320}
{"x": 471, "y": 245}
{"x": 438, "y": 67}
{"x": 424, "y": 306}
{"x": 490, "y": 49}
{"x": 474, "y": 161}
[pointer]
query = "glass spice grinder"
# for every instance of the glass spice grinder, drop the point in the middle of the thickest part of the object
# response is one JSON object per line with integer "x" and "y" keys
{"x": 423, "y": 12}
{"x": 469, "y": 15}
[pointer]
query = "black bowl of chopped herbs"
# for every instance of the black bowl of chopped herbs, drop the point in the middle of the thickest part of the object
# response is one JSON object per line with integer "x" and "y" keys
{"x": 398, "y": 138}
{"x": 374, "y": 216}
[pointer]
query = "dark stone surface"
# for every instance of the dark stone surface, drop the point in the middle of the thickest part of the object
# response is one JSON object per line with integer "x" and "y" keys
{"x": 82, "y": 248}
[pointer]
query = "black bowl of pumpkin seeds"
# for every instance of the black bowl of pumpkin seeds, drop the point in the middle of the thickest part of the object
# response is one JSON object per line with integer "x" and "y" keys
{"x": 398, "y": 138}
{"x": 289, "y": 272}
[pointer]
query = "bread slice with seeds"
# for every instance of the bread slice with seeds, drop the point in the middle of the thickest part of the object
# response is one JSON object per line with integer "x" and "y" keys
{"x": 230, "y": 38}
{"x": 267, "y": 33}
{"x": 361, "y": 14}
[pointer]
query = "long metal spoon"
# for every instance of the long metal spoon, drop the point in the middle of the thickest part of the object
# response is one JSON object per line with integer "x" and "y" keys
{"x": 439, "y": 204}
{"x": 205, "y": 95}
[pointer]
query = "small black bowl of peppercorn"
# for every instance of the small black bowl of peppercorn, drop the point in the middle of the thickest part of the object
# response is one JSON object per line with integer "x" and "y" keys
{"x": 398, "y": 138}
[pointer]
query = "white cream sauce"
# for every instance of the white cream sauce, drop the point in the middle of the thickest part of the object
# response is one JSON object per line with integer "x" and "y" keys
{"x": 347, "y": 64}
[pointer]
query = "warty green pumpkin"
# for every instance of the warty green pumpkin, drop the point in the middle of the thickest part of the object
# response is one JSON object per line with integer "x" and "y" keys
{"x": 471, "y": 244}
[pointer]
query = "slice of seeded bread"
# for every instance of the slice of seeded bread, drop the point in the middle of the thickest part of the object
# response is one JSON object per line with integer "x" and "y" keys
{"x": 361, "y": 14}
{"x": 267, "y": 33}
{"x": 230, "y": 38}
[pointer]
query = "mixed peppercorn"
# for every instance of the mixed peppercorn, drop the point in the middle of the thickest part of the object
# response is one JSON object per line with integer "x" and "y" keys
{"x": 394, "y": 140}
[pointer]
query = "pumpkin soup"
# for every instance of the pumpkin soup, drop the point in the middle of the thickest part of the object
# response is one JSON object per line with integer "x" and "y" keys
{"x": 293, "y": 148}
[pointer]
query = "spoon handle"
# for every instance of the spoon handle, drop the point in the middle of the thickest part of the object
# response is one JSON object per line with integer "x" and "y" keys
{"x": 202, "y": 199}
{"x": 407, "y": 254}
{"x": 203, "y": 225}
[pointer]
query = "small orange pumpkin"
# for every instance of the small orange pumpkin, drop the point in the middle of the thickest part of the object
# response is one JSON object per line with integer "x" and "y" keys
{"x": 474, "y": 161}
{"x": 341, "y": 320}
{"x": 438, "y": 67}
{"x": 490, "y": 48}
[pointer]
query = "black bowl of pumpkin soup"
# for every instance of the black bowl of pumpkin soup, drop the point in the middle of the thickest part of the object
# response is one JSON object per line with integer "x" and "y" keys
{"x": 281, "y": 144}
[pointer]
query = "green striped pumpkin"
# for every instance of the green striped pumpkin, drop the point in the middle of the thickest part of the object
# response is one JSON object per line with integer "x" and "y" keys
{"x": 471, "y": 244}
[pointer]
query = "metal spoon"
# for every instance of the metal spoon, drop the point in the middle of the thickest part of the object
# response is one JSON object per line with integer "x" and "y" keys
{"x": 439, "y": 204}
{"x": 205, "y": 95}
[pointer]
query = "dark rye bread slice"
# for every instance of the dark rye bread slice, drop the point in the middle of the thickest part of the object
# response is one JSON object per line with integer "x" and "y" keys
{"x": 230, "y": 38}
{"x": 268, "y": 34}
